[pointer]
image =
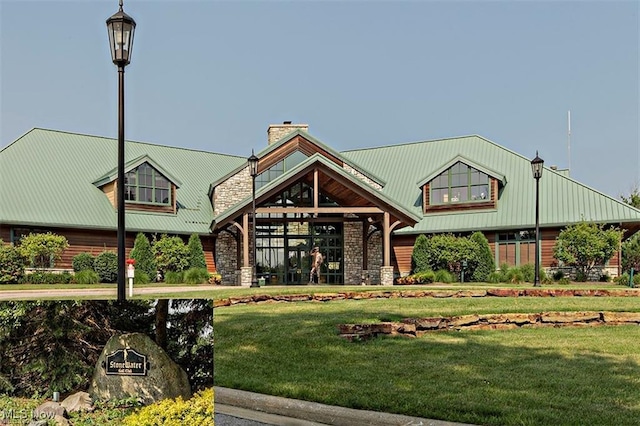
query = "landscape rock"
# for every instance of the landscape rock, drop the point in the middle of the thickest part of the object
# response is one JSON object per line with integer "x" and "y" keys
{"x": 79, "y": 401}
{"x": 163, "y": 378}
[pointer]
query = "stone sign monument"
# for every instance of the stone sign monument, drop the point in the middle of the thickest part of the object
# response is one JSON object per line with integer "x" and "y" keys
{"x": 132, "y": 365}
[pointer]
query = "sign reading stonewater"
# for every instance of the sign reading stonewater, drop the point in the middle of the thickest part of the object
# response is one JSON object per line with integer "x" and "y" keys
{"x": 126, "y": 362}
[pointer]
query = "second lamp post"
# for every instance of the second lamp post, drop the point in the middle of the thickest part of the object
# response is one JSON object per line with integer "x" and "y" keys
{"x": 253, "y": 171}
{"x": 537, "y": 167}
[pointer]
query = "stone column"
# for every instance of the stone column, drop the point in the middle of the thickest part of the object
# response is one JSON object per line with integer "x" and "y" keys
{"x": 245, "y": 276}
{"x": 386, "y": 275}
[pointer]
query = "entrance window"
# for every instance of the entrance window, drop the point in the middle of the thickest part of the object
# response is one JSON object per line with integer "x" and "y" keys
{"x": 280, "y": 168}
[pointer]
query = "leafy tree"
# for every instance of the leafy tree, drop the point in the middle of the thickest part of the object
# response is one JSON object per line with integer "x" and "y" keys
{"x": 196, "y": 253}
{"x": 633, "y": 199}
{"x": 11, "y": 264}
{"x": 171, "y": 254}
{"x": 484, "y": 263}
{"x": 448, "y": 252}
{"x": 143, "y": 255}
{"x": 42, "y": 250}
{"x": 585, "y": 245}
{"x": 631, "y": 253}
{"x": 419, "y": 256}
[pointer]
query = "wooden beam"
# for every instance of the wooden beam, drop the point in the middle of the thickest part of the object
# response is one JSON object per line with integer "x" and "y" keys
{"x": 314, "y": 210}
{"x": 316, "y": 188}
{"x": 386, "y": 241}
{"x": 245, "y": 239}
{"x": 365, "y": 245}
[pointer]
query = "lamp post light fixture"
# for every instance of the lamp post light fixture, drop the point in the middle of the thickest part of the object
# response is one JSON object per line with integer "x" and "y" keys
{"x": 253, "y": 171}
{"x": 537, "y": 167}
{"x": 121, "y": 27}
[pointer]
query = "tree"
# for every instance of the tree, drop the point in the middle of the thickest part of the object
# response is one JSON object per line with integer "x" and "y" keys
{"x": 42, "y": 250}
{"x": 196, "y": 253}
{"x": 448, "y": 252}
{"x": 631, "y": 253}
{"x": 634, "y": 198}
{"x": 171, "y": 254}
{"x": 585, "y": 245}
{"x": 143, "y": 255}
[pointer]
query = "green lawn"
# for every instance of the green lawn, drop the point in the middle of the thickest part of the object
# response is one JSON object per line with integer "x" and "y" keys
{"x": 543, "y": 376}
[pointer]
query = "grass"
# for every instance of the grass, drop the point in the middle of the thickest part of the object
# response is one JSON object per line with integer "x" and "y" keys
{"x": 543, "y": 376}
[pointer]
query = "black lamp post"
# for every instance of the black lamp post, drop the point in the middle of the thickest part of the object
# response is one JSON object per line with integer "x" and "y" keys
{"x": 253, "y": 171}
{"x": 121, "y": 27}
{"x": 536, "y": 167}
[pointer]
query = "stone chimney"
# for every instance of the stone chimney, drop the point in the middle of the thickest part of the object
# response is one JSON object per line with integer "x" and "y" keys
{"x": 275, "y": 132}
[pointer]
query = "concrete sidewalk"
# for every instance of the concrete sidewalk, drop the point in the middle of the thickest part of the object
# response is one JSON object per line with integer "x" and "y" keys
{"x": 274, "y": 410}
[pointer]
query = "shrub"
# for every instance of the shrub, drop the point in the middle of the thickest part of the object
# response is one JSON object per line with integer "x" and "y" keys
{"x": 171, "y": 254}
{"x": 173, "y": 277}
{"x": 88, "y": 276}
{"x": 47, "y": 278}
{"x": 605, "y": 278}
{"x": 564, "y": 281}
{"x": 173, "y": 412}
{"x": 484, "y": 262}
{"x": 581, "y": 276}
{"x": 42, "y": 250}
{"x": 82, "y": 262}
{"x": 514, "y": 276}
{"x": 558, "y": 275}
{"x": 11, "y": 264}
{"x": 141, "y": 278}
{"x": 106, "y": 265}
{"x": 143, "y": 255}
{"x": 196, "y": 253}
{"x": 495, "y": 277}
{"x": 528, "y": 272}
{"x": 425, "y": 277}
{"x": 420, "y": 255}
{"x": 443, "y": 276}
{"x": 215, "y": 279}
{"x": 196, "y": 276}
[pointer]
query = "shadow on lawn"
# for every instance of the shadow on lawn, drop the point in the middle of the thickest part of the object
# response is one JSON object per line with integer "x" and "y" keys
{"x": 527, "y": 376}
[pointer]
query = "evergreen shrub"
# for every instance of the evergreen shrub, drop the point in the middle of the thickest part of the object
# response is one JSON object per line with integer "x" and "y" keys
{"x": 196, "y": 253}
{"x": 106, "y": 265}
{"x": 82, "y": 262}
{"x": 39, "y": 277}
{"x": 11, "y": 264}
{"x": 143, "y": 255}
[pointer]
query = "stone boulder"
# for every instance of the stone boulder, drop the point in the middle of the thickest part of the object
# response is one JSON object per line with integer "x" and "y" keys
{"x": 79, "y": 401}
{"x": 126, "y": 375}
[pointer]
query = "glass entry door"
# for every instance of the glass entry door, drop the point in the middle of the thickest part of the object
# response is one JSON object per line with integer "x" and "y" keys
{"x": 298, "y": 265}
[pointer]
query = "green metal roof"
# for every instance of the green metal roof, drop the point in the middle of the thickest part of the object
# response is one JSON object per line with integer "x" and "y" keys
{"x": 47, "y": 179}
{"x": 562, "y": 199}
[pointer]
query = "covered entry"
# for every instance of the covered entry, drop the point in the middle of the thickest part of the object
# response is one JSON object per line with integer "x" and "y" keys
{"x": 306, "y": 199}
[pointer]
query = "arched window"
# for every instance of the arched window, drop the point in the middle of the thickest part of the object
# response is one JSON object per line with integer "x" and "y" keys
{"x": 459, "y": 184}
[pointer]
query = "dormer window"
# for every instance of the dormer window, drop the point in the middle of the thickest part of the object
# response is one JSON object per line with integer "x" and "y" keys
{"x": 460, "y": 184}
{"x": 144, "y": 184}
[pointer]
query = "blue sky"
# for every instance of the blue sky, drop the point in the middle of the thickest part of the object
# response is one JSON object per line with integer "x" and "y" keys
{"x": 212, "y": 75}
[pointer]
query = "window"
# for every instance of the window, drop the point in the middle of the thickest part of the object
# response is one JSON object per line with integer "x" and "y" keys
{"x": 516, "y": 248}
{"x": 279, "y": 168}
{"x": 146, "y": 185}
{"x": 459, "y": 184}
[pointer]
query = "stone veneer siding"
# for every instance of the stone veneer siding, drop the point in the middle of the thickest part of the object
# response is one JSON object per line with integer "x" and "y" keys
{"x": 386, "y": 275}
{"x": 226, "y": 261}
{"x": 232, "y": 191}
{"x": 361, "y": 176}
{"x": 374, "y": 261}
{"x": 352, "y": 252}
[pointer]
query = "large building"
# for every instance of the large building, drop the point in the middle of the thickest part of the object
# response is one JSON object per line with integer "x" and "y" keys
{"x": 363, "y": 208}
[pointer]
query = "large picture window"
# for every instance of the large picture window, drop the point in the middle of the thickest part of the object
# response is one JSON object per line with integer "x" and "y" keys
{"x": 279, "y": 168}
{"x": 459, "y": 184}
{"x": 146, "y": 185}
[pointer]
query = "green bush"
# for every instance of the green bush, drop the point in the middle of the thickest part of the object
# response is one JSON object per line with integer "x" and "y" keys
{"x": 581, "y": 276}
{"x": 143, "y": 255}
{"x": 420, "y": 255}
{"x": 484, "y": 263}
{"x": 495, "y": 277}
{"x": 141, "y": 278}
{"x": 425, "y": 277}
{"x": 106, "y": 265}
{"x": 196, "y": 253}
{"x": 39, "y": 277}
{"x": 196, "y": 276}
{"x": 11, "y": 264}
{"x": 42, "y": 250}
{"x": 558, "y": 275}
{"x": 173, "y": 277}
{"x": 82, "y": 262}
{"x": 514, "y": 276}
{"x": 176, "y": 412}
{"x": 528, "y": 272}
{"x": 443, "y": 276}
{"x": 171, "y": 254}
{"x": 88, "y": 276}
